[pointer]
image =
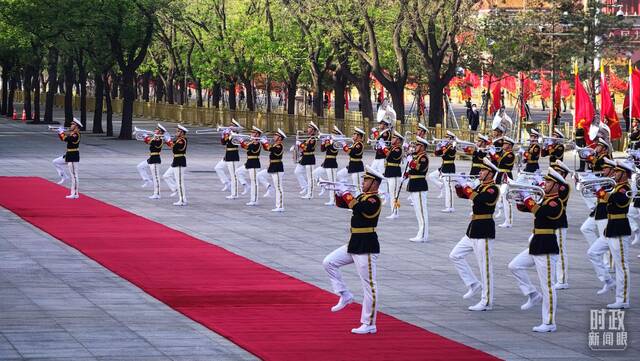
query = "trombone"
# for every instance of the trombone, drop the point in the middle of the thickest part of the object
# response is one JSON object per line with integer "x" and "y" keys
{"x": 517, "y": 192}
{"x": 237, "y": 138}
{"x": 57, "y": 128}
{"x": 140, "y": 133}
{"x": 336, "y": 186}
{"x": 458, "y": 177}
{"x": 342, "y": 141}
{"x": 463, "y": 146}
{"x": 219, "y": 129}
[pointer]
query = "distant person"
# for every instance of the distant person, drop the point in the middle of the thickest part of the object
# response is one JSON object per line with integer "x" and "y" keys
{"x": 474, "y": 118}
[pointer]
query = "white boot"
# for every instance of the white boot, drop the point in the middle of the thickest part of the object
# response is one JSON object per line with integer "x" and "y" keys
{"x": 545, "y": 328}
{"x": 345, "y": 299}
{"x": 364, "y": 329}
{"x": 534, "y": 299}
{"x": 473, "y": 289}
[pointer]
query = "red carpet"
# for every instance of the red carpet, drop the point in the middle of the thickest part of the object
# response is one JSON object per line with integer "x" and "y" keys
{"x": 268, "y": 313}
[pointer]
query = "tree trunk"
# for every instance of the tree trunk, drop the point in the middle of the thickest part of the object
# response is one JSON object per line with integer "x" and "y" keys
{"x": 318, "y": 97}
{"x": 340, "y": 84}
{"x": 397, "y": 97}
{"x": 145, "y": 85}
{"x": 292, "y": 87}
{"x": 115, "y": 83}
{"x": 6, "y": 67}
{"x": 128, "y": 96}
{"x": 364, "y": 89}
{"x": 13, "y": 84}
{"x": 68, "y": 95}
{"x": 61, "y": 84}
{"x": 232, "y": 95}
{"x": 217, "y": 95}
{"x": 97, "y": 111}
{"x": 170, "y": 89}
{"x": 107, "y": 99}
{"x": 198, "y": 93}
{"x": 52, "y": 71}
{"x": 159, "y": 91}
{"x": 250, "y": 95}
{"x": 28, "y": 75}
{"x": 82, "y": 79}
{"x": 436, "y": 110}
{"x": 35, "y": 84}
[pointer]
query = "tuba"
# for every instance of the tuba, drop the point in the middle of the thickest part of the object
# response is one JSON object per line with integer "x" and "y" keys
{"x": 502, "y": 119}
{"x": 589, "y": 187}
{"x": 517, "y": 192}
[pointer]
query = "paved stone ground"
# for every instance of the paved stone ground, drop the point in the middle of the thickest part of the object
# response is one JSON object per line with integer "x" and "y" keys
{"x": 57, "y": 304}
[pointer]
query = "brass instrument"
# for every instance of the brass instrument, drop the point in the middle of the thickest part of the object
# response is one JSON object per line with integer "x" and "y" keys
{"x": 237, "y": 138}
{"x": 517, "y": 192}
{"x": 461, "y": 145}
{"x": 589, "y": 187}
{"x": 633, "y": 195}
{"x": 458, "y": 178}
{"x": 529, "y": 178}
{"x": 634, "y": 156}
{"x": 323, "y": 137}
{"x": 301, "y": 137}
{"x": 57, "y": 128}
{"x": 141, "y": 134}
{"x": 342, "y": 141}
{"x": 374, "y": 141}
{"x": 585, "y": 152}
{"x": 219, "y": 129}
{"x": 549, "y": 141}
{"x": 336, "y": 186}
{"x": 492, "y": 149}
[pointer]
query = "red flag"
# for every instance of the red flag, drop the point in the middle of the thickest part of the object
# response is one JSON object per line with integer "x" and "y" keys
{"x": 346, "y": 99}
{"x": 555, "y": 111}
{"x": 496, "y": 99}
{"x": 584, "y": 111}
{"x": 607, "y": 108}
{"x": 635, "y": 93}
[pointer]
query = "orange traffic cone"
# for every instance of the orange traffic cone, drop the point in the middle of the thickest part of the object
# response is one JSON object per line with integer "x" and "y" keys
{"x": 15, "y": 115}
{"x": 24, "y": 115}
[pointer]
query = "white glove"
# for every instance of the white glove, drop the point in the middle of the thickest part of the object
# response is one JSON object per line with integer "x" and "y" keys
{"x": 293, "y": 147}
{"x": 60, "y": 130}
{"x": 459, "y": 180}
{"x": 341, "y": 189}
{"x": 226, "y": 131}
{"x": 381, "y": 144}
{"x": 167, "y": 137}
{"x": 264, "y": 140}
{"x": 298, "y": 143}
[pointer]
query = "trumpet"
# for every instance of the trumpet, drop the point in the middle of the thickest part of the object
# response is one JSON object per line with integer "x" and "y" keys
{"x": 463, "y": 146}
{"x": 237, "y": 138}
{"x": 323, "y": 137}
{"x": 57, "y": 128}
{"x": 221, "y": 129}
{"x": 585, "y": 152}
{"x": 589, "y": 187}
{"x": 517, "y": 192}
{"x": 549, "y": 141}
{"x": 337, "y": 186}
{"x": 342, "y": 141}
{"x": 458, "y": 177}
{"x": 492, "y": 149}
{"x": 140, "y": 133}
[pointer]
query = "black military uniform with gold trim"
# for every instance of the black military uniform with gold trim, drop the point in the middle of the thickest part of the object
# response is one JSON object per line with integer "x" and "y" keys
{"x": 504, "y": 163}
{"x": 73, "y": 146}
{"x": 155, "y": 147}
{"x": 617, "y": 203}
{"x": 308, "y": 151}
{"x": 547, "y": 216}
{"x": 392, "y": 162}
{"x": 179, "y": 152}
{"x": 448, "y": 154}
{"x": 355, "y": 157}
{"x": 476, "y": 161}
{"x": 563, "y": 195}
{"x": 600, "y": 212}
{"x": 634, "y": 138}
{"x": 418, "y": 168}
{"x": 365, "y": 209}
{"x": 554, "y": 152}
{"x": 580, "y": 142}
{"x": 253, "y": 154}
{"x": 331, "y": 153}
{"x": 484, "y": 197}
{"x": 230, "y": 150}
{"x": 386, "y": 136}
{"x": 532, "y": 157}
{"x": 275, "y": 157}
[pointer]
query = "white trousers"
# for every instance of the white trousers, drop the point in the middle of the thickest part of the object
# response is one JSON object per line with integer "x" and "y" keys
{"x": 592, "y": 229}
{"x": 174, "y": 177}
{"x": 562, "y": 266}
{"x": 419, "y": 200}
{"x": 329, "y": 174}
{"x": 394, "y": 192}
{"x": 144, "y": 171}
{"x": 304, "y": 174}
{"x": 619, "y": 247}
{"x": 61, "y": 167}
{"x": 378, "y": 164}
{"x": 150, "y": 173}
{"x": 356, "y": 178}
{"x": 444, "y": 186}
{"x": 276, "y": 178}
{"x": 634, "y": 220}
{"x": 483, "y": 250}
{"x": 232, "y": 178}
{"x": 241, "y": 173}
{"x": 507, "y": 211}
{"x": 545, "y": 265}
{"x": 366, "y": 268}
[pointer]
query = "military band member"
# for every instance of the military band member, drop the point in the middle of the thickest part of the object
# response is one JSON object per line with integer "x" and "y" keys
{"x": 447, "y": 150}
{"x": 580, "y": 142}
{"x": 276, "y": 169}
{"x": 149, "y": 169}
{"x": 616, "y": 236}
{"x": 329, "y": 167}
{"x": 479, "y": 236}
{"x": 562, "y": 266}
{"x": 252, "y": 165}
{"x": 355, "y": 166}
{"x": 382, "y": 135}
{"x": 417, "y": 188}
{"x": 362, "y": 250}
{"x": 229, "y": 163}
{"x": 71, "y": 158}
{"x": 497, "y": 135}
{"x": 422, "y": 131}
{"x": 593, "y": 227}
{"x": 174, "y": 176}
{"x": 542, "y": 252}
{"x": 304, "y": 169}
{"x": 505, "y": 161}
{"x": 532, "y": 155}
{"x": 555, "y": 150}
{"x": 393, "y": 172}
{"x": 478, "y": 154}
{"x": 634, "y": 135}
